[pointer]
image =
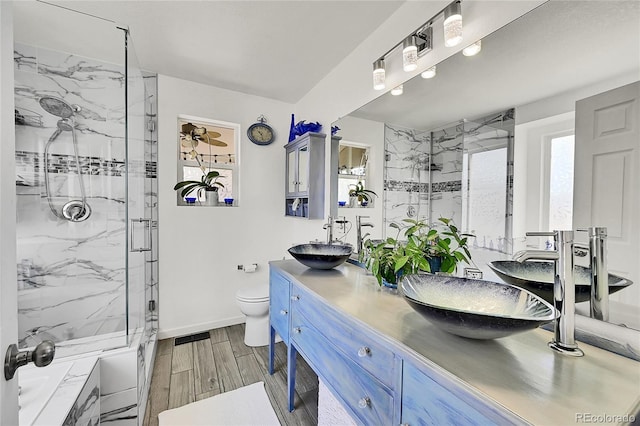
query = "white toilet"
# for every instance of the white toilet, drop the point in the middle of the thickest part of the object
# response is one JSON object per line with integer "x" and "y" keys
{"x": 254, "y": 303}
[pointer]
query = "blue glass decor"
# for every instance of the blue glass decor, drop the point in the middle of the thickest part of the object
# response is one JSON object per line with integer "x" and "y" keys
{"x": 301, "y": 127}
{"x": 292, "y": 131}
{"x": 334, "y": 130}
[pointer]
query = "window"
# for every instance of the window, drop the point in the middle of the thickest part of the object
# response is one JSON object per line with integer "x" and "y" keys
{"x": 208, "y": 145}
{"x": 561, "y": 182}
{"x": 352, "y": 168}
{"x": 485, "y": 196}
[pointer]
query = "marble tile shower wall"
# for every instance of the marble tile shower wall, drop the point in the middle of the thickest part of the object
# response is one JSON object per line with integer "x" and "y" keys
{"x": 447, "y": 147}
{"x": 422, "y": 179}
{"x": 406, "y": 174}
{"x": 71, "y": 276}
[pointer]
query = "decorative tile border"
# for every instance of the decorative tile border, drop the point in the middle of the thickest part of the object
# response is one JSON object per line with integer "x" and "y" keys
{"x": 61, "y": 164}
{"x": 406, "y": 186}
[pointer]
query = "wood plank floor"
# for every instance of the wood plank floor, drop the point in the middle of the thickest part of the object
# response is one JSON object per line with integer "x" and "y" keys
{"x": 197, "y": 370}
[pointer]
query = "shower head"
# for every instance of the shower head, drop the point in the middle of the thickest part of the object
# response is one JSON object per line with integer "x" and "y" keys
{"x": 58, "y": 107}
{"x": 65, "y": 124}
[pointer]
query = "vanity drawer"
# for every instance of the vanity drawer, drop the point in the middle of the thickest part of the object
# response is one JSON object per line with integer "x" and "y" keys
{"x": 279, "y": 305}
{"x": 360, "y": 348}
{"x": 367, "y": 399}
{"x": 426, "y": 402}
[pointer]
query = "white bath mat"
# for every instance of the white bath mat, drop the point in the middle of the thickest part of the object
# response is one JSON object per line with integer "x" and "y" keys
{"x": 248, "y": 406}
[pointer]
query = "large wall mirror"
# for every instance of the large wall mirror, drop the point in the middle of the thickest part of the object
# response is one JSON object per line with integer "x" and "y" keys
{"x": 511, "y": 109}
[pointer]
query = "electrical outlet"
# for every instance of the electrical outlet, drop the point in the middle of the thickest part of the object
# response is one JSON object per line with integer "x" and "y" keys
{"x": 473, "y": 273}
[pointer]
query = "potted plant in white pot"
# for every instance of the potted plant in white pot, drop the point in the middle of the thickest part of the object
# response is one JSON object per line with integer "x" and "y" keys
{"x": 208, "y": 183}
{"x": 359, "y": 193}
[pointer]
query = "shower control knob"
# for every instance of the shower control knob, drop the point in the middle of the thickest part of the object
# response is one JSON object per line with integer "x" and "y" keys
{"x": 283, "y": 312}
{"x": 41, "y": 356}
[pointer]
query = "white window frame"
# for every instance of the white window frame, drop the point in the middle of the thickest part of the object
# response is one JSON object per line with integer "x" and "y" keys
{"x": 235, "y": 167}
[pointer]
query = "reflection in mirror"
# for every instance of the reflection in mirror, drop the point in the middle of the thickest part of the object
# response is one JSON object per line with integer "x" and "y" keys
{"x": 539, "y": 66}
{"x": 353, "y": 161}
{"x": 458, "y": 171}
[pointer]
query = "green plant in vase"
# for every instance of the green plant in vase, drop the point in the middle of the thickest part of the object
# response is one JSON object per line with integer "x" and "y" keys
{"x": 358, "y": 192}
{"x": 443, "y": 248}
{"x": 208, "y": 182}
{"x": 381, "y": 261}
{"x": 390, "y": 259}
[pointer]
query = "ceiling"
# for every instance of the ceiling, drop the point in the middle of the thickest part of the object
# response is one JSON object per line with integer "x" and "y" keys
{"x": 557, "y": 47}
{"x": 275, "y": 49}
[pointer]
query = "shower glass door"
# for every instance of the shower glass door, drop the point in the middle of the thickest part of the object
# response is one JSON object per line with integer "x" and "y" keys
{"x": 71, "y": 167}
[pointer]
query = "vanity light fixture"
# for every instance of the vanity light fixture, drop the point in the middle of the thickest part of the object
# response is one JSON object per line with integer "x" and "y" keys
{"x": 429, "y": 72}
{"x": 452, "y": 24}
{"x": 472, "y": 49}
{"x": 420, "y": 42}
{"x": 378, "y": 74}
{"x": 409, "y": 54}
{"x": 397, "y": 91}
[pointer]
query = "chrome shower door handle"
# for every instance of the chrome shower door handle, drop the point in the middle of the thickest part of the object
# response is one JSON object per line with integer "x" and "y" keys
{"x": 147, "y": 244}
{"x": 41, "y": 356}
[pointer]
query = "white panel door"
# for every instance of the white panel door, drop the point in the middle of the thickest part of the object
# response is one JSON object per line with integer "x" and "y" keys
{"x": 607, "y": 178}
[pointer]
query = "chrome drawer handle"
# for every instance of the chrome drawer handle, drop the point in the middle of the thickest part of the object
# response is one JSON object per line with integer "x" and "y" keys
{"x": 297, "y": 330}
{"x": 364, "y": 351}
{"x": 295, "y": 298}
{"x": 283, "y": 312}
{"x": 364, "y": 402}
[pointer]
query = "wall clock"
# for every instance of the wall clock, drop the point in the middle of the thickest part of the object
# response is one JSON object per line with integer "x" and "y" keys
{"x": 261, "y": 133}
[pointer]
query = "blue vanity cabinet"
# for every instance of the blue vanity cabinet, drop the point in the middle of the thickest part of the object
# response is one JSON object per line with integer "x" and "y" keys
{"x": 361, "y": 372}
{"x": 279, "y": 315}
{"x": 387, "y": 365}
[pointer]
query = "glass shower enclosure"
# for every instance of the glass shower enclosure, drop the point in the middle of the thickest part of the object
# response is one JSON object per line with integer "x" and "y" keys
{"x": 85, "y": 182}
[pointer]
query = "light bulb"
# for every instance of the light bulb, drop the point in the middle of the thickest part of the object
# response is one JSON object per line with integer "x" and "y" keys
{"x": 409, "y": 54}
{"x": 452, "y": 25}
{"x": 378, "y": 74}
{"x": 473, "y": 49}
{"x": 429, "y": 72}
{"x": 397, "y": 91}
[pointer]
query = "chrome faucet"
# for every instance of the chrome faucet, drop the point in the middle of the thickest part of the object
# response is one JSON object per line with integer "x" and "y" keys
{"x": 564, "y": 292}
{"x": 597, "y": 250}
{"x": 359, "y": 226}
{"x": 329, "y": 227}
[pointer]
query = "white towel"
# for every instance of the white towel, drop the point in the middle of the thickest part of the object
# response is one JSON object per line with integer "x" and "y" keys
{"x": 246, "y": 406}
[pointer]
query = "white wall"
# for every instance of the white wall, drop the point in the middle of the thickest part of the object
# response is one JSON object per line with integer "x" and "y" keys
{"x": 200, "y": 247}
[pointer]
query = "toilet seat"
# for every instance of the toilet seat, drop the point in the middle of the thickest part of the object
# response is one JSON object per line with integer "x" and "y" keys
{"x": 252, "y": 300}
{"x": 253, "y": 294}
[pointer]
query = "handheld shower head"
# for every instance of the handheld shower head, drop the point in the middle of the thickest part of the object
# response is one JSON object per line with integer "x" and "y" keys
{"x": 58, "y": 107}
{"x": 65, "y": 124}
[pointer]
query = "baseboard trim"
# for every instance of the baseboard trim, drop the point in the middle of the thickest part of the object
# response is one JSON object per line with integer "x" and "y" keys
{"x": 197, "y": 328}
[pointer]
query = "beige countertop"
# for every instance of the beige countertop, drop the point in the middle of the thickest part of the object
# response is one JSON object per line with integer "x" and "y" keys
{"x": 519, "y": 373}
